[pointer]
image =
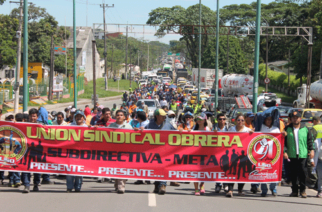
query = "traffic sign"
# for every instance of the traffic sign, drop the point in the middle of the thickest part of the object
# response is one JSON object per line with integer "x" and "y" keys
{"x": 60, "y": 50}
{"x": 267, "y": 81}
{"x": 169, "y": 53}
{"x": 178, "y": 54}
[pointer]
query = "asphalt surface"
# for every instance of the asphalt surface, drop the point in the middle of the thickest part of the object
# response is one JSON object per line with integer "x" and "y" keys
{"x": 107, "y": 102}
{"x": 102, "y": 197}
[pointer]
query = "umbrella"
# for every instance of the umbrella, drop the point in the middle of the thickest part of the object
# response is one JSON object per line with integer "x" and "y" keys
{"x": 172, "y": 86}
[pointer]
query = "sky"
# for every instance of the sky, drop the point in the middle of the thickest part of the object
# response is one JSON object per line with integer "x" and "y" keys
{"x": 124, "y": 12}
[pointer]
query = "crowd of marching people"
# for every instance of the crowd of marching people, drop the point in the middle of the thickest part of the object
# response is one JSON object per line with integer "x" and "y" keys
{"x": 303, "y": 146}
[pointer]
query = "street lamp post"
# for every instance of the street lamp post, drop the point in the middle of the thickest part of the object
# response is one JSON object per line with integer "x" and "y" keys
{"x": 217, "y": 52}
{"x": 75, "y": 70}
{"x": 256, "y": 62}
{"x": 25, "y": 57}
{"x": 199, "y": 61}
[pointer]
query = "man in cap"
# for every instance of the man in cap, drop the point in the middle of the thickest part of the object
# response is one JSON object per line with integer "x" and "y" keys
{"x": 9, "y": 117}
{"x": 70, "y": 118}
{"x": 298, "y": 145}
{"x": 159, "y": 123}
{"x": 145, "y": 108}
{"x": 172, "y": 119}
{"x": 75, "y": 182}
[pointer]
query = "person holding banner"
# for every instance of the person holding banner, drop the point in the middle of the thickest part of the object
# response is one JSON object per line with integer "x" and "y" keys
{"x": 267, "y": 127}
{"x": 121, "y": 124}
{"x": 188, "y": 122}
{"x": 159, "y": 123}
{"x": 220, "y": 126}
{"x": 75, "y": 182}
{"x": 201, "y": 125}
{"x": 240, "y": 127}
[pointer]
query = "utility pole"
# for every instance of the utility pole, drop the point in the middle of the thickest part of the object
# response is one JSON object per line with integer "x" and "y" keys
{"x": 74, "y": 44}
{"x": 256, "y": 61}
{"x": 266, "y": 86}
{"x": 288, "y": 72}
{"x": 147, "y": 62}
{"x": 139, "y": 63}
{"x": 25, "y": 57}
{"x": 105, "y": 52}
{"x": 112, "y": 61}
{"x": 131, "y": 65}
{"x": 217, "y": 56}
{"x": 309, "y": 66}
{"x": 126, "y": 46}
{"x": 321, "y": 65}
{"x": 199, "y": 61}
{"x": 94, "y": 71}
{"x": 66, "y": 50}
{"x": 227, "y": 52}
{"x": 18, "y": 64}
{"x": 51, "y": 73}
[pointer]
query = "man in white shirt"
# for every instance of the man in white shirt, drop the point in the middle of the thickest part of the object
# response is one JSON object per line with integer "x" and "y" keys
{"x": 163, "y": 102}
{"x": 60, "y": 119}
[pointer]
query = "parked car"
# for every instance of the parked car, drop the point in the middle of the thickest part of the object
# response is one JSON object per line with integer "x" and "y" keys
{"x": 307, "y": 115}
{"x": 152, "y": 105}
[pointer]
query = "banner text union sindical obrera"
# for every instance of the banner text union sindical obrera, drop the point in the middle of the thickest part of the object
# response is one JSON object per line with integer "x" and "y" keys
{"x": 148, "y": 155}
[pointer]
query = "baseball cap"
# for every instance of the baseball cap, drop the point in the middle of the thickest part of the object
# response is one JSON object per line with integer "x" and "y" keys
{"x": 250, "y": 114}
{"x": 9, "y": 114}
{"x": 296, "y": 113}
{"x": 188, "y": 114}
{"x": 202, "y": 116}
{"x": 69, "y": 107}
{"x": 73, "y": 110}
{"x": 170, "y": 112}
{"x": 160, "y": 112}
{"x": 79, "y": 112}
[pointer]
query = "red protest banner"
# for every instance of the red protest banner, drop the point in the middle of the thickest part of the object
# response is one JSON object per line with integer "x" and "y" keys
{"x": 147, "y": 155}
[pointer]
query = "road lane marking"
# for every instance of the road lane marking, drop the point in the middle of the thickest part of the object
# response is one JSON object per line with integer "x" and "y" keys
{"x": 152, "y": 200}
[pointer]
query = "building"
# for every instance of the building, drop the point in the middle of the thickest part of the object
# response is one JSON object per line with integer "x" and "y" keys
{"x": 84, "y": 52}
{"x": 7, "y": 72}
{"x": 280, "y": 66}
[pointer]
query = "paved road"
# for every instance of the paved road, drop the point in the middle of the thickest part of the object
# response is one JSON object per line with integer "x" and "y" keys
{"x": 108, "y": 102}
{"x": 102, "y": 197}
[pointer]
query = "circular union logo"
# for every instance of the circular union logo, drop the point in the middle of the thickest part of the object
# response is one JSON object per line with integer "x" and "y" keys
{"x": 264, "y": 149}
{"x": 13, "y": 145}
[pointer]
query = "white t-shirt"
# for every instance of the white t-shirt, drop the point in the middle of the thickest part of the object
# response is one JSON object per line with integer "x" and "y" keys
{"x": 206, "y": 129}
{"x": 233, "y": 129}
{"x": 225, "y": 129}
{"x": 296, "y": 136}
{"x": 273, "y": 129}
{"x": 163, "y": 103}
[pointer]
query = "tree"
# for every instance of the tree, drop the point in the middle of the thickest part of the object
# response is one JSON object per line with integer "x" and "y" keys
{"x": 2, "y": 1}
{"x": 236, "y": 56}
{"x": 178, "y": 15}
{"x": 8, "y": 42}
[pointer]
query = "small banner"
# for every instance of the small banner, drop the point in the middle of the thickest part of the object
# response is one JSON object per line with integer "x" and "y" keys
{"x": 148, "y": 155}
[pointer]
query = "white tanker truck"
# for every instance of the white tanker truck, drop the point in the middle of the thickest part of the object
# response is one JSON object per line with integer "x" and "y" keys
{"x": 315, "y": 95}
{"x": 237, "y": 84}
